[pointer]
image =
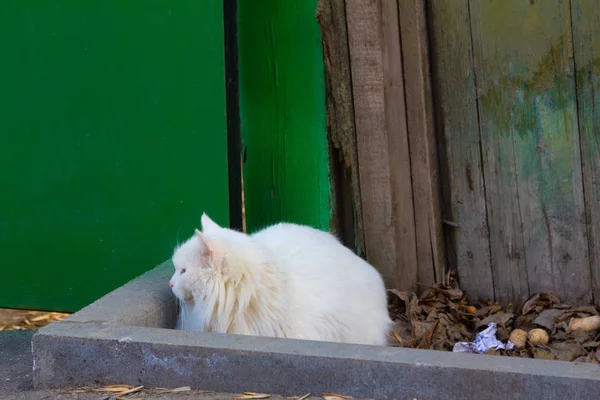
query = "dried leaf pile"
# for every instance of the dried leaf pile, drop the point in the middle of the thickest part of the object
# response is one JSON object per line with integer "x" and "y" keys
{"x": 442, "y": 316}
{"x": 25, "y": 319}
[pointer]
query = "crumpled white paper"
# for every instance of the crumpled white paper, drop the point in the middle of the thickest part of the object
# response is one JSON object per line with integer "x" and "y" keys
{"x": 484, "y": 341}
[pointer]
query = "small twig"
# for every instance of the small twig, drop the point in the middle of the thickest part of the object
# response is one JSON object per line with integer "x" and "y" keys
{"x": 335, "y": 396}
{"x": 398, "y": 337}
{"x": 252, "y": 395}
{"x": 450, "y": 223}
{"x": 124, "y": 392}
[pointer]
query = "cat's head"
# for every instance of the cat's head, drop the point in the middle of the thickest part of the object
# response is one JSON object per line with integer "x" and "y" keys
{"x": 199, "y": 261}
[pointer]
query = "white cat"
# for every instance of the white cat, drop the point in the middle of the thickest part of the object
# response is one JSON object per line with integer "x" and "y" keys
{"x": 287, "y": 281}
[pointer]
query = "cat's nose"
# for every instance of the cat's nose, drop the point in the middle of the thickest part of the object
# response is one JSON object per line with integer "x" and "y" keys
{"x": 171, "y": 285}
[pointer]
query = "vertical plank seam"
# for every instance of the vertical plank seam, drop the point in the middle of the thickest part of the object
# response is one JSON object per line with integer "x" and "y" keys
{"x": 232, "y": 111}
{"x": 436, "y": 127}
{"x": 410, "y": 162}
{"x": 520, "y": 215}
{"x": 487, "y": 223}
{"x": 358, "y": 207}
{"x": 433, "y": 223}
{"x": 579, "y": 130}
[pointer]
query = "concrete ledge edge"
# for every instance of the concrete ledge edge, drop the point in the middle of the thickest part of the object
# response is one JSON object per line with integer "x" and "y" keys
{"x": 78, "y": 354}
{"x": 144, "y": 301}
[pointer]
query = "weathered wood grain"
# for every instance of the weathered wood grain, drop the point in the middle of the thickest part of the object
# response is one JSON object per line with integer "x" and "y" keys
{"x": 492, "y": 53}
{"x": 527, "y": 107}
{"x": 403, "y": 210}
{"x": 364, "y": 38}
{"x": 585, "y": 17}
{"x": 346, "y": 203}
{"x": 457, "y": 124}
{"x": 529, "y": 131}
{"x": 422, "y": 141}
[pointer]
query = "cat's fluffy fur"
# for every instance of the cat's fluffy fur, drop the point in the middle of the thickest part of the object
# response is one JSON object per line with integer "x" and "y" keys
{"x": 286, "y": 281}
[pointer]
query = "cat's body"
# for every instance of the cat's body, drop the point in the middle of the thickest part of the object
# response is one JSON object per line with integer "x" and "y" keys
{"x": 284, "y": 281}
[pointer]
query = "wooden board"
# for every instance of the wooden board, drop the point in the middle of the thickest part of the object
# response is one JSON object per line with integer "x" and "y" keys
{"x": 530, "y": 141}
{"x": 113, "y": 142}
{"x": 585, "y": 16}
{"x": 382, "y": 141}
{"x": 458, "y": 132}
{"x": 422, "y": 140}
{"x": 282, "y": 106}
{"x": 499, "y": 160}
{"x": 396, "y": 131}
{"x": 371, "y": 141}
{"x": 346, "y": 219}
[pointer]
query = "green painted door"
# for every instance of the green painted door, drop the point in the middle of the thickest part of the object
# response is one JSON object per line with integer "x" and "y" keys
{"x": 283, "y": 115}
{"x": 112, "y": 141}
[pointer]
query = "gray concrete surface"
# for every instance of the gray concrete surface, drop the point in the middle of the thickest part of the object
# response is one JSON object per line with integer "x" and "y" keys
{"x": 145, "y": 395}
{"x": 121, "y": 338}
{"x": 16, "y": 378}
{"x": 15, "y": 362}
{"x": 145, "y": 301}
{"x": 82, "y": 353}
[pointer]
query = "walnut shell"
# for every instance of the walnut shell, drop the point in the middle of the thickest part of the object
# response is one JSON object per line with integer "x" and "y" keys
{"x": 538, "y": 336}
{"x": 518, "y": 337}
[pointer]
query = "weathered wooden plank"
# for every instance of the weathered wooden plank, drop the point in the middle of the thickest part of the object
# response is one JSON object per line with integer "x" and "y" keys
{"x": 585, "y": 16}
{"x": 364, "y": 38}
{"x": 507, "y": 246}
{"x": 422, "y": 141}
{"x": 458, "y": 130}
{"x": 346, "y": 218}
{"x": 403, "y": 210}
{"x": 529, "y": 131}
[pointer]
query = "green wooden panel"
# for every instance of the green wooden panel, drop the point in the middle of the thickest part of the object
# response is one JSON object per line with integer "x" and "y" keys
{"x": 282, "y": 103}
{"x": 113, "y": 142}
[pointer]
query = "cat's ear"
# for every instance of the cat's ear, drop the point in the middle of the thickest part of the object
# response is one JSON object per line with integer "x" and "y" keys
{"x": 205, "y": 246}
{"x": 213, "y": 253}
{"x": 208, "y": 224}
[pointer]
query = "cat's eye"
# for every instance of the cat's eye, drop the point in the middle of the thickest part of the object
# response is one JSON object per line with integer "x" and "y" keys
{"x": 182, "y": 271}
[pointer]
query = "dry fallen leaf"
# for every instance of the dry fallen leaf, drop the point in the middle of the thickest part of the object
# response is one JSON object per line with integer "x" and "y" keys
{"x": 335, "y": 396}
{"x": 566, "y": 351}
{"x": 542, "y": 354}
{"x": 547, "y": 318}
{"x": 442, "y": 315}
{"x": 500, "y": 319}
{"x": 252, "y": 395}
{"x": 540, "y": 301}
